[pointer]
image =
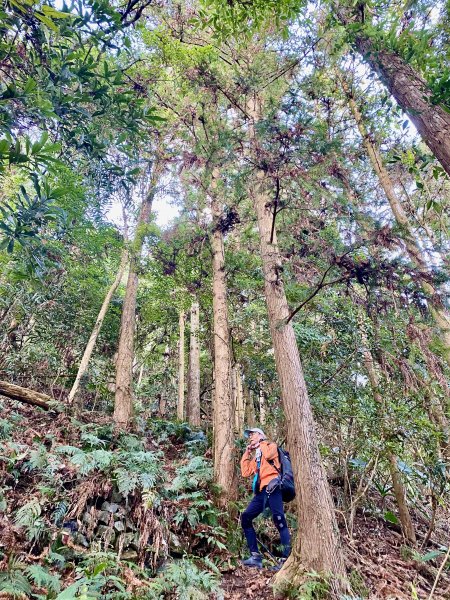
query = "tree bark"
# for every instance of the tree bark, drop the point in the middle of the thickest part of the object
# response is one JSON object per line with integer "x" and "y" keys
{"x": 25, "y": 395}
{"x": 193, "y": 397}
{"x": 123, "y": 406}
{"x": 223, "y": 412}
{"x": 250, "y": 418}
{"x": 317, "y": 545}
{"x": 96, "y": 330}
{"x": 239, "y": 405}
{"x": 409, "y": 90}
{"x": 440, "y": 315}
{"x": 400, "y": 497}
{"x": 180, "y": 405}
{"x": 262, "y": 403}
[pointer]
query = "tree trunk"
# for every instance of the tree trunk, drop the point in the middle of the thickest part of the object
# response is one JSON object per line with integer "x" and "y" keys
{"x": 98, "y": 324}
{"x": 223, "y": 410}
{"x": 317, "y": 545}
{"x": 25, "y": 395}
{"x": 141, "y": 375}
{"x": 250, "y": 418}
{"x": 400, "y": 497}
{"x": 409, "y": 90}
{"x": 399, "y": 490}
{"x": 441, "y": 316}
{"x": 180, "y": 405}
{"x": 239, "y": 404}
{"x": 193, "y": 397}
{"x": 262, "y": 403}
{"x": 123, "y": 406}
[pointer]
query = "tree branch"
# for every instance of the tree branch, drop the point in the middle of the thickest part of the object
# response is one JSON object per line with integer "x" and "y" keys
{"x": 316, "y": 291}
{"x": 275, "y": 211}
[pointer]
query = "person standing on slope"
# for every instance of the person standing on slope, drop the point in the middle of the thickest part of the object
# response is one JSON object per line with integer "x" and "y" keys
{"x": 260, "y": 459}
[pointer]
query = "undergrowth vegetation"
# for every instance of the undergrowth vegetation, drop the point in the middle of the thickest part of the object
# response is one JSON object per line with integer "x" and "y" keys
{"x": 90, "y": 515}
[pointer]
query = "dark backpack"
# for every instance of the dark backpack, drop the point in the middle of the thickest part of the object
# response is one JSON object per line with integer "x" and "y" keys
{"x": 286, "y": 475}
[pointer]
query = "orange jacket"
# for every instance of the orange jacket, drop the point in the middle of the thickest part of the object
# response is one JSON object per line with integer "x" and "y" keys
{"x": 269, "y": 451}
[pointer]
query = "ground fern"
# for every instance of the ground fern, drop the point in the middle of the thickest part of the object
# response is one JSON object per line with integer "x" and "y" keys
{"x": 29, "y": 517}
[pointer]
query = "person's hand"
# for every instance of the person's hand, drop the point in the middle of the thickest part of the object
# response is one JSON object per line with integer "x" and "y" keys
{"x": 253, "y": 445}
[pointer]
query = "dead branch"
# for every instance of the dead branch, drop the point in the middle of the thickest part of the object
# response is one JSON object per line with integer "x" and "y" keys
{"x": 25, "y": 395}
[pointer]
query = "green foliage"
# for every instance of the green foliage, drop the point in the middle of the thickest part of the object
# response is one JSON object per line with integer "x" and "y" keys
{"x": 192, "y": 476}
{"x": 316, "y": 586}
{"x": 29, "y": 516}
{"x": 187, "y": 581}
{"x": 357, "y": 584}
{"x": 129, "y": 469}
{"x": 42, "y": 578}
{"x": 13, "y": 581}
{"x": 60, "y": 512}
{"x": 23, "y": 221}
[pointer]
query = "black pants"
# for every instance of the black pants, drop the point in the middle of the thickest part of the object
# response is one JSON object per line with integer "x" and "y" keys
{"x": 255, "y": 508}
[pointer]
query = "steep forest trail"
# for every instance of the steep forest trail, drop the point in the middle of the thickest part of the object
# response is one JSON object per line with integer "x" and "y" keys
{"x": 73, "y": 499}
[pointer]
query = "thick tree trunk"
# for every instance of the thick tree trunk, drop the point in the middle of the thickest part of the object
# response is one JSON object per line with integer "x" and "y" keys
{"x": 123, "y": 406}
{"x": 441, "y": 316}
{"x": 180, "y": 404}
{"x": 25, "y": 395}
{"x": 317, "y": 545}
{"x": 98, "y": 324}
{"x": 409, "y": 90}
{"x": 193, "y": 396}
{"x": 397, "y": 484}
{"x": 223, "y": 410}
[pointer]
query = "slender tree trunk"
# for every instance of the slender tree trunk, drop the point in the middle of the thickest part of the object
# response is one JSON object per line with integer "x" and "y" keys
{"x": 262, "y": 403}
{"x": 141, "y": 375}
{"x": 400, "y": 496}
{"x": 399, "y": 490}
{"x": 96, "y": 330}
{"x": 440, "y": 314}
{"x": 250, "y": 418}
{"x": 432, "y": 403}
{"x": 193, "y": 397}
{"x": 317, "y": 546}
{"x": 223, "y": 410}
{"x": 409, "y": 90}
{"x": 239, "y": 401}
{"x": 123, "y": 406}
{"x": 180, "y": 405}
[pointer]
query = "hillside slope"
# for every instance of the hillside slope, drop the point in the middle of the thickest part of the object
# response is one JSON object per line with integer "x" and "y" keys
{"x": 87, "y": 515}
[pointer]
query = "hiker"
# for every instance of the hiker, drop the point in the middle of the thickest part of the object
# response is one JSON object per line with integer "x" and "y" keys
{"x": 260, "y": 459}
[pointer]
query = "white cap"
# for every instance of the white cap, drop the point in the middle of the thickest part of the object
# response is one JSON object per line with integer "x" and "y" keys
{"x": 247, "y": 432}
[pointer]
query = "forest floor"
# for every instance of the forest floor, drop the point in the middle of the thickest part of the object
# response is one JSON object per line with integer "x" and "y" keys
{"x": 381, "y": 566}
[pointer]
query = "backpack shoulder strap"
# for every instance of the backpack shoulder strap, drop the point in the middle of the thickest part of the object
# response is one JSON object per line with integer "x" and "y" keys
{"x": 272, "y": 462}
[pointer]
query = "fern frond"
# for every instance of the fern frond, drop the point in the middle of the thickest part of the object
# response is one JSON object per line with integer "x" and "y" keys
{"x": 60, "y": 512}
{"x": 29, "y": 517}
{"x": 13, "y": 581}
{"x": 127, "y": 481}
{"x": 43, "y": 578}
{"x": 38, "y": 458}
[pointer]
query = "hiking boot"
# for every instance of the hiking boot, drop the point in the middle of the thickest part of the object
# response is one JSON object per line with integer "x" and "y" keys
{"x": 255, "y": 560}
{"x": 278, "y": 566}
